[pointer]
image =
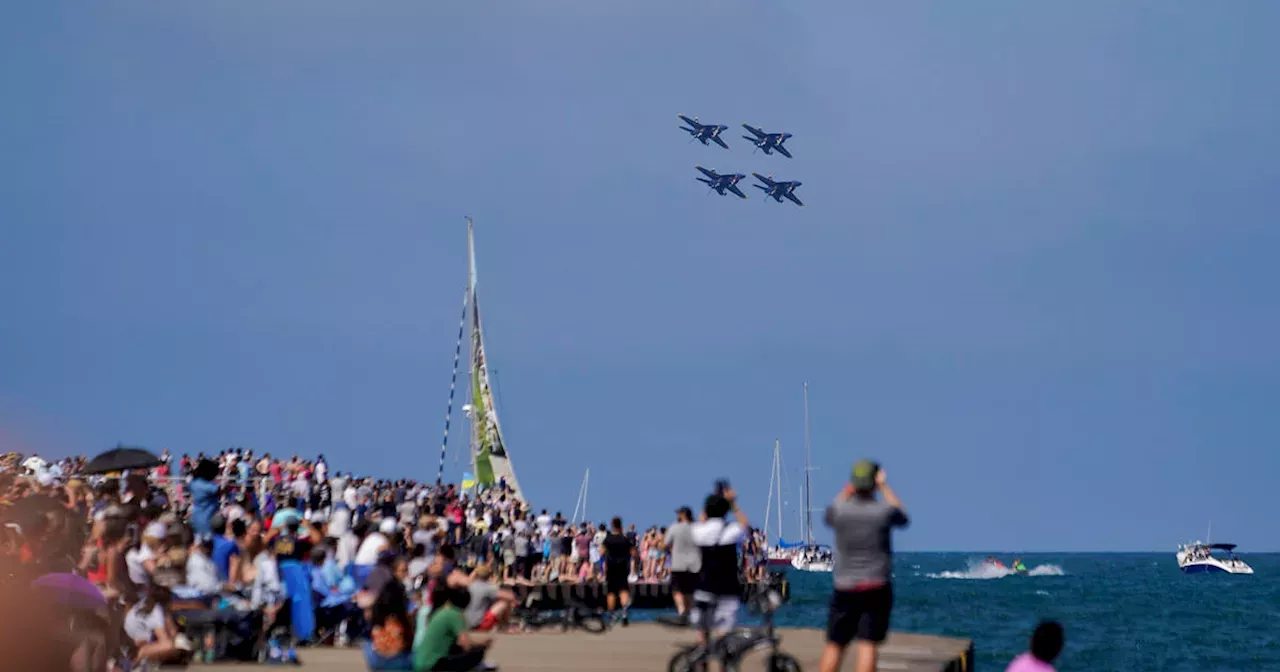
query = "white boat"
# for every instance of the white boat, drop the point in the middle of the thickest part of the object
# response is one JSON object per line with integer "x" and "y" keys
{"x": 810, "y": 557}
{"x": 1198, "y": 558}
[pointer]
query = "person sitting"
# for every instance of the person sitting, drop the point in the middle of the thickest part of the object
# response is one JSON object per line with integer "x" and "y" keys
{"x": 1046, "y": 644}
{"x": 446, "y": 644}
{"x": 150, "y": 625}
{"x": 388, "y": 647}
{"x": 489, "y": 605}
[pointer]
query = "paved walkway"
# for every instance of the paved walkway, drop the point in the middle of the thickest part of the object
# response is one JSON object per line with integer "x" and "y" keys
{"x": 646, "y": 648}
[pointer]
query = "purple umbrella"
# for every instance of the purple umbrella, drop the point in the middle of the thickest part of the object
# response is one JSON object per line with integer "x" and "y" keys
{"x": 71, "y": 591}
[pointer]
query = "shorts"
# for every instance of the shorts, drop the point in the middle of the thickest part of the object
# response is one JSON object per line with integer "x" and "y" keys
{"x": 684, "y": 582}
{"x": 859, "y": 614}
{"x": 723, "y": 610}
{"x": 489, "y": 622}
{"x": 616, "y": 580}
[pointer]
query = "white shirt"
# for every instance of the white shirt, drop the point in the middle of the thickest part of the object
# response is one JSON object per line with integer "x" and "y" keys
{"x": 345, "y": 553}
{"x": 349, "y": 496}
{"x": 716, "y": 532}
{"x": 202, "y": 574}
{"x": 544, "y": 524}
{"x": 133, "y": 561}
{"x": 370, "y": 548}
{"x": 339, "y": 522}
{"x": 321, "y": 470}
{"x": 142, "y": 627}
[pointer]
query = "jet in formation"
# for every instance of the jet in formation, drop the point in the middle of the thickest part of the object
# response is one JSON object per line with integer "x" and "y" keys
{"x": 720, "y": 183}
{"x": 703, "y": 132}
{"x": 778, "y": 190}
{"x": 767, "y": 141}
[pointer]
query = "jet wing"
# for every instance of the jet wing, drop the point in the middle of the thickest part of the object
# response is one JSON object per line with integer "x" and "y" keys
{"x": 719, "y": 141}
{"x": 734, "y": 188}
{"x": 782, "y": 150}
{"x": 709, "y": 173}
{"x": 793, "y": 198}
{"x": 764, "y": 179}
{"x": 689, "y": 121}
{"x": 759, "y": 133}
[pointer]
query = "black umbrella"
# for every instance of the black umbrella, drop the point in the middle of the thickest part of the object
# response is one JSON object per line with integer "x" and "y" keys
{"x": 120, "y": 459}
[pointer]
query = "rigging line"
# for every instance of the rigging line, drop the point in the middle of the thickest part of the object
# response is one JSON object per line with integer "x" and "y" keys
{"x": 453, "y": 383}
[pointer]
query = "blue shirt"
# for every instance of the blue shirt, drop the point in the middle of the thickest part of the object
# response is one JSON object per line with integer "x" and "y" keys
{"x": 204, "y": 503}
{"x": 223, "y": 549}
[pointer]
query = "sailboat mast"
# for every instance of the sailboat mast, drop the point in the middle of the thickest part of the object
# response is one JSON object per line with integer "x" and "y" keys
{"x": 777, "y": 470}
{"x": 471, "y": 292}
{"x": 808, "y": 508}
{"x": 768, "y": 502}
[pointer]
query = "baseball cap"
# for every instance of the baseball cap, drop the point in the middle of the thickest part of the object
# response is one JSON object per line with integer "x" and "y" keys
{"x": 864, "y": 475}
{"x": 388, "y": 526}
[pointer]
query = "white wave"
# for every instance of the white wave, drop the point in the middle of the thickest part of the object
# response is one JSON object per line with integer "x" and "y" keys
{"x": 978, "y": 569}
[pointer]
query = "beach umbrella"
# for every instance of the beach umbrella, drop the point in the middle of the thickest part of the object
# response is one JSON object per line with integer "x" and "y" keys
{"x": 72, "y": 591}
{"x": 120, "y": 459}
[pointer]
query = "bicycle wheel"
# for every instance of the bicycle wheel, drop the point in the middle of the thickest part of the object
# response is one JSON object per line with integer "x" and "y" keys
{"x": 594, "y": 624}
{"x": 782, "y": 662}
{"x": 685, "y": 660}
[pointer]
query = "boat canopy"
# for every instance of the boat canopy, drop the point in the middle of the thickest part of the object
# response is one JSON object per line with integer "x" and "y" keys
{"x": 782, "y": 543}
{"x": 1223, "y": 547}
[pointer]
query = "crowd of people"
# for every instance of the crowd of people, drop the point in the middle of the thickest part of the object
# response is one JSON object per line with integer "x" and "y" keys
{"x": 278, "y": 551}
{"x": 242, "y": 533}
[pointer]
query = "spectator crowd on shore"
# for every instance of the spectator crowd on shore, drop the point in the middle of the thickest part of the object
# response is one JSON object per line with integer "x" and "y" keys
{"x": 237, "y": 533}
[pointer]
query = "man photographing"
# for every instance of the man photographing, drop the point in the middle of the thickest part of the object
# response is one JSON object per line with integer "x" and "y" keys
{"x": 719, "y": 591}
{"x": 863, "y": 596}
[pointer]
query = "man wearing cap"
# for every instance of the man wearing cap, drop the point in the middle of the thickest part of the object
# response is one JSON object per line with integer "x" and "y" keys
{"x": 686, "y": 560}
{"x": 863, "y": 595}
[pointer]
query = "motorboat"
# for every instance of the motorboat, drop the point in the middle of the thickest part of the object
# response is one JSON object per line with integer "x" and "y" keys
{"x": 1199, "y": 558}
{"x": 812, "y": 559}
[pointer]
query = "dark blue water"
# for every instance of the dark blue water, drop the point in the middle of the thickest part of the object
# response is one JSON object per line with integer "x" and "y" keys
{"x": 1130, "y": 612}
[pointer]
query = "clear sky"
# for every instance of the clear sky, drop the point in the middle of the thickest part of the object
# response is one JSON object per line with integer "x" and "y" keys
{"x": 1036, "y": 274}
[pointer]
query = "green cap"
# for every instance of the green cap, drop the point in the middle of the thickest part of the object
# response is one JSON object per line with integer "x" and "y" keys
{"x": 864, "y": 475}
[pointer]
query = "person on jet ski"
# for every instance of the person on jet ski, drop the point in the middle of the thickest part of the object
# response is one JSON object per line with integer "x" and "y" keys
{"x": 1018, "y": 566}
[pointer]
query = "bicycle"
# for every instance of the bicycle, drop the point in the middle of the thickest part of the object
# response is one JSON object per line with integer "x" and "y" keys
{"x": 731, "y": 648}
{"x": 574, "y": 616}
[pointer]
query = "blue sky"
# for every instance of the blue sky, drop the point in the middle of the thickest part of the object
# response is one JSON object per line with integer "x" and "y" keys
{"x": 1035, "y": 276}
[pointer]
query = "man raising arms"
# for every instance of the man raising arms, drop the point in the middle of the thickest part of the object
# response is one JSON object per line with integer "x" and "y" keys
{"x": 863, "y": 595}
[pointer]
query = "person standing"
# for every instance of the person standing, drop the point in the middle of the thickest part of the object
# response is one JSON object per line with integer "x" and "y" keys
{"x": 862, "y": 596}
{"x": 686, "y": 560}
{"x": 615, "y": 549}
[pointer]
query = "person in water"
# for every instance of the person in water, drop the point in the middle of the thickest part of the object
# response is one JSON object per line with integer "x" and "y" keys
{"x": 1046, "y": 644}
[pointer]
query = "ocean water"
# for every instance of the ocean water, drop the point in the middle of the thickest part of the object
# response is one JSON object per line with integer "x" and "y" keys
{"x": 1130, "y": 612}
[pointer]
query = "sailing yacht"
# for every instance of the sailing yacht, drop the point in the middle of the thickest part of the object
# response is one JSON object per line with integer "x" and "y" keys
{"x": 490, "y": 461}
{"x": 778, "y": 555}
{"x": 810, "y": 557}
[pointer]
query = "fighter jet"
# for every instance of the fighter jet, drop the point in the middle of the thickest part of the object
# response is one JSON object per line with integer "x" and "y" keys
{"x": 767, "y": 141}
{"x": 778, "y": 190}
{"x": 720, "y": 183}
{"x": 703, "y": 132}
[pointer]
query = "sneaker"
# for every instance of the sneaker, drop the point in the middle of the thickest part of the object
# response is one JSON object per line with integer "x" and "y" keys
{"x": 626, "y": 618}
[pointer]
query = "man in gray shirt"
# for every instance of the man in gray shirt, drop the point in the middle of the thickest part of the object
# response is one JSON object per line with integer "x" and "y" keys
{"x": 686, "y": 559}
{"x": 863, "y": 595}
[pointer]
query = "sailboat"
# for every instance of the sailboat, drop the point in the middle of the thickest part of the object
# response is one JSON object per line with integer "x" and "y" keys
{"x": 490, "y": 460}
{"x": 810, "y": 557}
{"x": 780, "y": 554}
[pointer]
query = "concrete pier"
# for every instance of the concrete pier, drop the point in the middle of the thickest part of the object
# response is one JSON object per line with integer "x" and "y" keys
{"x": 647, "y": 647}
